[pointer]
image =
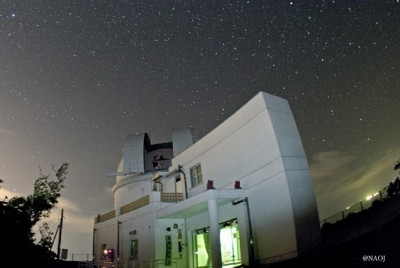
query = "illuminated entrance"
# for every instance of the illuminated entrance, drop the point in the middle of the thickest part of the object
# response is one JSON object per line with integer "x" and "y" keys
{"x": 230, "y": 245}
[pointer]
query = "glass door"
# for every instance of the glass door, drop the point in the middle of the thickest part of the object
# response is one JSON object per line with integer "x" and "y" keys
{"x": 202, "y": 248}
{"x": 230, "y": 244}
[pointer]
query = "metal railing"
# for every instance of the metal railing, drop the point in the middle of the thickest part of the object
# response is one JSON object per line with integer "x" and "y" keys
{"x": 83, "y": 257}
{"x": 86, "y": 265}
{"x": 149, "y": 264}
{"x": 358, "y": 207}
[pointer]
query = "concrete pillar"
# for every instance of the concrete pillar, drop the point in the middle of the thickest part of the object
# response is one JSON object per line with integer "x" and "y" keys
{"x": 215, "y": 243}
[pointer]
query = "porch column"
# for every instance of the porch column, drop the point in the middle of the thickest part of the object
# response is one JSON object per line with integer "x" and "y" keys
{"x": 215, "y": 243}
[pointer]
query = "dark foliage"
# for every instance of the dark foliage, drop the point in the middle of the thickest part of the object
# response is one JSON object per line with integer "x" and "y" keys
{"x": 394, "y": 188}
{"x": 20, "y": 214}
{"x": 397, "y": 166}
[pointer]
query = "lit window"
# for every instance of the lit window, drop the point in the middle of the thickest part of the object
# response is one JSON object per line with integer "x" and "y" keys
{"x": 134, "y": 250}
{"x": 195, "y": 175}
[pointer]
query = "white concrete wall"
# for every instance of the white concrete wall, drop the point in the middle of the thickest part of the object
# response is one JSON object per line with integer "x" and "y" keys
{"x": 144, "y": 226}
{"x": 132, "y": 188}
{"x": 106, "y": 233}
{"x": 272, "y": 218}
{"x": 169, "y": 184}
{"x": 142, "y": 220}
{"x": 259, "y": 145}
{"x": 141, "y": 224}
{"x": 240, "y": 145}
{"x": 161, "y": 232}
{"x": 297, "y": 175}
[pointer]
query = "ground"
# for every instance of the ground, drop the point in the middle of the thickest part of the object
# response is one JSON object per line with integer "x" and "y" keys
{"x": 370, "y": 244}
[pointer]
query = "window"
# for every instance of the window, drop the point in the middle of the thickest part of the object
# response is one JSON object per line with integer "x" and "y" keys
{"x": 134, "y": 250}
{"x": 195, "y": 175}
{"x": 104, "y": 251}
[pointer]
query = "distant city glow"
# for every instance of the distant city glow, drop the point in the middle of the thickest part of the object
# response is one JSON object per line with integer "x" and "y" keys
{"x": 369, "y": 197}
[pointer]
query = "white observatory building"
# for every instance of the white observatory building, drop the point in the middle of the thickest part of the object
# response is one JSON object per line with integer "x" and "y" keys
{"x": 241, "y": 195}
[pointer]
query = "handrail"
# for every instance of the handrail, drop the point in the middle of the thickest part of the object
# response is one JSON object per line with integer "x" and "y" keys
{"x": 149, "y": 264}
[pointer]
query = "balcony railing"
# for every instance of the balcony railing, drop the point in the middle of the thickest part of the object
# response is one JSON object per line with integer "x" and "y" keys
{"x": 144, "y": 201}
{"x": 105, "y": 217}
{"x": 171, "y": 197}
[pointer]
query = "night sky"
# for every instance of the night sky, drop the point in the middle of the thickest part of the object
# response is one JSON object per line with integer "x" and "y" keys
{"x": 76, "y": 77}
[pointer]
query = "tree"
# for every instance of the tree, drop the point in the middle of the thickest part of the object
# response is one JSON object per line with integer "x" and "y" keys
{"x": 397, "y": 166}
{"x": 20, "y": 214}
{"x": 394, "y": 187}
{"x": 46, "y": 241}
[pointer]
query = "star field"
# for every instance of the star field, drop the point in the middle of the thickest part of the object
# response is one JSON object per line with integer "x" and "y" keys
{"x": 76, "y": 77}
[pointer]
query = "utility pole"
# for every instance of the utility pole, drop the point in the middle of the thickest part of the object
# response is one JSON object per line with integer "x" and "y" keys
{"x": 59, "y": 236}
